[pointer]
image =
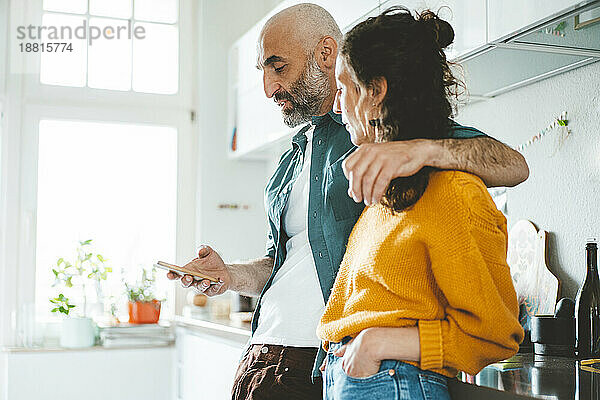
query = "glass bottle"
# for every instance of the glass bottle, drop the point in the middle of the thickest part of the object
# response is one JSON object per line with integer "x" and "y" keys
{"x": 587, "y": 307}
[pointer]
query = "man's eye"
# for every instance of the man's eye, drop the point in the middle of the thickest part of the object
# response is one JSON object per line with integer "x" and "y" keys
{"x": 279, "y": 69}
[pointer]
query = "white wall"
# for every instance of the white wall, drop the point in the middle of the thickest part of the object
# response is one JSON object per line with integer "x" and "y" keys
{"x": 562, "y": 194}
{"x": 236, "y": 234}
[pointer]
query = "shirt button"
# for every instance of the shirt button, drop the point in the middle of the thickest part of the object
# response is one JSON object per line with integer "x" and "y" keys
{"x": 320, "y": 141}
{"x": 392, "y": 372}
{"x": 320, "y": 255}
{"x": 316, "y": 177}
{"x": 286, "y": 369}
{"x": 264, "y": 350}
{"x": 315, "y": 214}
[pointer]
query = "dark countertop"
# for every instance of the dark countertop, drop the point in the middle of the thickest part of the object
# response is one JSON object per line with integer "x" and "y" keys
{"x": 541, "y": 377}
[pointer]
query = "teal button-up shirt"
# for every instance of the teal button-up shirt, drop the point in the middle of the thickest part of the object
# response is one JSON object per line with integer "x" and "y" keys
{"x": 331, "y": 212}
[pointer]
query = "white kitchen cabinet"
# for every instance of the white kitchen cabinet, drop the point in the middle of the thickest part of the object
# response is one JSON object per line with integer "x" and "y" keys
{"x": 207, "y": 362}
{"x": 347, "y": 13}
{"x": 93, "y": 374}
{"x": 506, "y": 17}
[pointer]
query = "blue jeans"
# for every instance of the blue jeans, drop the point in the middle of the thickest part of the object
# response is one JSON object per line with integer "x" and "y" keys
{"x": 395, "y": 380}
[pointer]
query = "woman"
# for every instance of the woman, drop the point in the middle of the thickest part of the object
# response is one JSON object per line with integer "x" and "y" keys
{"x": 423, "y": 290}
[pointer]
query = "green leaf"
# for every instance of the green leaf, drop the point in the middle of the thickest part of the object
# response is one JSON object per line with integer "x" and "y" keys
{"x": 100, "y": 258}
{"x": 60, "y": 261}
{"x": 54, "y": 310}
{"x": 68, "y": 282}
{"x": 108, "y": 269}
{"x": 55, "y": 272}
{"x": 70, "y": 305}
{"x": 86, "y": 242}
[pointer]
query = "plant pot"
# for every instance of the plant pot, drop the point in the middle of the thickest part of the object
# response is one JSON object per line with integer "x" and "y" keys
{"x": 144, "y": 312}
{"x": 77, "y": 332}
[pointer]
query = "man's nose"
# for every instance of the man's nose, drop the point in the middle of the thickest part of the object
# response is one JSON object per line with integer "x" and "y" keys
{"x": 337, "y": 107}
{"x": 270, "y": 85}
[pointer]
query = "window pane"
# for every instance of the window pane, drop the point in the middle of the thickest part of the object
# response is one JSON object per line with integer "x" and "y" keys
{"x": 96, "y": 182}
{"x": 65, "y": 68}
{"x": 156, "y": 59}
{"x": 109, "y": 60}
{"x": 111, "y": 8}
{"x": 156, "y": 10}
{"x": 70, "y": 6}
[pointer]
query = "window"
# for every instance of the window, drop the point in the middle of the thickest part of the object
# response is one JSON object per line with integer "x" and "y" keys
{"x": 113, "y": 183}
{"x": 119, "y": 45}
{"x": 133, "y": 138}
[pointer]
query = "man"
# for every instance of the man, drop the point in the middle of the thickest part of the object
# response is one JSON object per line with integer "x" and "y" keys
{"x": 312, "y": 207}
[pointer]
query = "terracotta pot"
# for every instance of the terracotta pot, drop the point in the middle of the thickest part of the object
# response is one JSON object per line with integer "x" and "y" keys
{"x": 144, "y": 312}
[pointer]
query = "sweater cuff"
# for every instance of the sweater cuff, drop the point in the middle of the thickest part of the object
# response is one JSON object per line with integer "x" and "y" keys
{"x": 430, "y": 336}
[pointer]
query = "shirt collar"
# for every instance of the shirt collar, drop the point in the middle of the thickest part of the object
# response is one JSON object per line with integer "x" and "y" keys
{"x": 321, "y": 119}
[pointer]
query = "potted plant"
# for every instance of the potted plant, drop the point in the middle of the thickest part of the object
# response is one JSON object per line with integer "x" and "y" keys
{"x": 144, "y": 307}
{"x": 76, "y": 332}
{"x": 79, "y": 331}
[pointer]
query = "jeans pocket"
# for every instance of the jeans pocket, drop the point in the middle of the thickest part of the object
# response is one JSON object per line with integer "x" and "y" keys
{"x": 434, "y": 386}
{"x": 376, "y": 376}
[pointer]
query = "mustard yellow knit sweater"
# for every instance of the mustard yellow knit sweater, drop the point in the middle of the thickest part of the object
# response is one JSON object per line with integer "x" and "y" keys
{"x": 441, "y": 266}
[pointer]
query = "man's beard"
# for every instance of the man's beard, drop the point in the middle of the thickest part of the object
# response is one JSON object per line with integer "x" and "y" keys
{"x": 306, "y": 95}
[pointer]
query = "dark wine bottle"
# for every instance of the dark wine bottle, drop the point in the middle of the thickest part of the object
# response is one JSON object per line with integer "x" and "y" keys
{"x": 587, "y": 307}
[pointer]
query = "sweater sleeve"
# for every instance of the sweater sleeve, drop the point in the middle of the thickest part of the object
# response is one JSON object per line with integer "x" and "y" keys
{"x": 481, "y": 324}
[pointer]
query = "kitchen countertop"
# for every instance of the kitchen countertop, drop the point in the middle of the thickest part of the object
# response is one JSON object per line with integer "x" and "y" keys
{"x": 58, "y": 349}
{"x": 541, "y": 377}
{"x": 223, "y": 328}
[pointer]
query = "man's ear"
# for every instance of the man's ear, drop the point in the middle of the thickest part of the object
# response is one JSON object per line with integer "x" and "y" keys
{"x": 326, "y": 52}
{"x": 378, "y": 89}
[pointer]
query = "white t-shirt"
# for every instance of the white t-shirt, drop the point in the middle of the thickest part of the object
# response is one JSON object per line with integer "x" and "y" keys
{"x": 292, "y": 307}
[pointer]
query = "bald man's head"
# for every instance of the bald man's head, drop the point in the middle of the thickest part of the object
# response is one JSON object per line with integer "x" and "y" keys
{"x": 297, "y": 49}
{"x": 306, "y": 24}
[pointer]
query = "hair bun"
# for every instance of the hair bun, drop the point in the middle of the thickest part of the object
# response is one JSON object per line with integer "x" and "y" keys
{"x": 443, "y": 30}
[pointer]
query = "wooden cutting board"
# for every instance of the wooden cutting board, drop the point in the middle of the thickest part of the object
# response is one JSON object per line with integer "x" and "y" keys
{"x": 536, "y": 287}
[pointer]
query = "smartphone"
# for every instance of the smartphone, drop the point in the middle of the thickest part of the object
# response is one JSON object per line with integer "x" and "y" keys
{"x": 196, "y": 274}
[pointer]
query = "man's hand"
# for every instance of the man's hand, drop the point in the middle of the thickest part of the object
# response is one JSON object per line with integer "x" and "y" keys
{"x": 360, "y": 356}
{"x": 210, "y": 263}
{"x": 371, "y": 168}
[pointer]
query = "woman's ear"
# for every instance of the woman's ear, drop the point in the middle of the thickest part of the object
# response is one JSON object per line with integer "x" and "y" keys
{"x": 378, "y": 90}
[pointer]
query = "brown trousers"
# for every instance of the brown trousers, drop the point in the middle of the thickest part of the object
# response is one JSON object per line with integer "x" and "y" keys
{"x": 269, "y": 372}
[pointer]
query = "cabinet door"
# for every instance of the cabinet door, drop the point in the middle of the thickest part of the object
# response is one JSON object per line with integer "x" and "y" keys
{"x": 347, "y": 13}
{"x": 468, "y": 19}
{"x": 508, "y": 16}
{"x": 207, "y": 366}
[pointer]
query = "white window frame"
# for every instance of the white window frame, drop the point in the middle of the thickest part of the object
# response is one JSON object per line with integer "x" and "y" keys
{"x": 29, "y": 102}
{"x": 35, "y": 89}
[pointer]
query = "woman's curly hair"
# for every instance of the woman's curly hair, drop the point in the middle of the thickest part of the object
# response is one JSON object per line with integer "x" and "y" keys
{"x": 408, "y": 52}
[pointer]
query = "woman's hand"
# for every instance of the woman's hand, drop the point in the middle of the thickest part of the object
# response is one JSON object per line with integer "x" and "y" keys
{"x": 360, "y": 355}
{"x": 363, "y": 354}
